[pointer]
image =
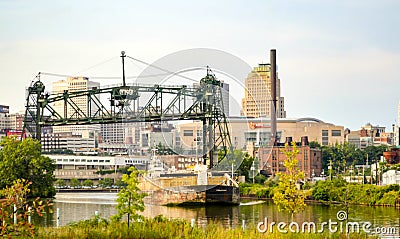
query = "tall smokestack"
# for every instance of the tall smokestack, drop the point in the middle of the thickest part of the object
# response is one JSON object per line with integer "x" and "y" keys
{"x": 273, "y": 95}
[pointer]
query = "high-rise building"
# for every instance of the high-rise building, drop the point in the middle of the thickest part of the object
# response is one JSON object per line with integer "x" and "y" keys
{"x": 225, "y": 97}
{"x": 73, "y": 84}
{"x": 257, "y": 100}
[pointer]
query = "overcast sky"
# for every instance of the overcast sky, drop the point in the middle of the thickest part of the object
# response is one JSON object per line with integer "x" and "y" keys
{"x": 338, "y": 61}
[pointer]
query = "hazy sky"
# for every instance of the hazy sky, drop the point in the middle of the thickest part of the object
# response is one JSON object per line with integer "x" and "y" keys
{"x": 338, "y": 61}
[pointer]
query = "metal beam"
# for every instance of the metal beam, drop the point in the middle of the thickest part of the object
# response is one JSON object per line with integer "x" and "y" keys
{"x": 161, "y": 103}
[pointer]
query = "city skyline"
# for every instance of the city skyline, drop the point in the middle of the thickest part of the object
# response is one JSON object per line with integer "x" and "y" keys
{"x": 337, "y": 61}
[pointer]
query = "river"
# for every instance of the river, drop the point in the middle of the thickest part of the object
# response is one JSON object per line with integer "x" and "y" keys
{"x": 77, "y": 206}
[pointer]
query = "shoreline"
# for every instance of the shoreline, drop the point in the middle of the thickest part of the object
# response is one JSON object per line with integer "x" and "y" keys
{"x": 326, "y": 203}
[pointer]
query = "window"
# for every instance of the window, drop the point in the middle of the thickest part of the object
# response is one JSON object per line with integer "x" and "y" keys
{"x": 325, "y": 137}
{"x": 336, "y": 133}
{"x": 188, "y": 133}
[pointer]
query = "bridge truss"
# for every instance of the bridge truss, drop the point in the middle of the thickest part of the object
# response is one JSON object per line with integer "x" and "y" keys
{"x": 158, "y": 103}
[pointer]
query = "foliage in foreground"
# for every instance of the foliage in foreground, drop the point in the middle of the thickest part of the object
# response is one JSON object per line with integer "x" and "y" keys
{"x": 286, "y": 195}
{"x": 15, "y": 210}
{"x": 23, "y": 160}
{"x": 160, "y": 227}
{"x": 130, "y": 199}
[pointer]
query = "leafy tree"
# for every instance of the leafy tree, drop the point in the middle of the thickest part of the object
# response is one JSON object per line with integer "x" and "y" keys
{"x": 107, "y": 182}
{"x": 130, "y": 200}
{"x": 120, "y": 183}
{"x": 74, "y": 183}
{"x": 286, "y": 195}
{"x": 60, "y": 183}
{"x": 245, "y": 167}
{"x": 15, "y": 196}
{"x": 23, "y": 160}
{"x": 315, "y": 144}
{"x": 88, "y": 183}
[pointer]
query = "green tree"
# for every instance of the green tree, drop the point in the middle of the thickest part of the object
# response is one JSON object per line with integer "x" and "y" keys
{"x": 74, "y": 183}
{"x": 130, "y": 199}
{"x": 315, "y": 144}
{"x": 120, "y": 183}
{"x": 107, "y": 182}
{"x": 23, "y": 160}
{"x": 60, "y": 183}
{"x": 247, "y": 161}
{"x": 88, "y": 183}
{"x": 286, "y": 195}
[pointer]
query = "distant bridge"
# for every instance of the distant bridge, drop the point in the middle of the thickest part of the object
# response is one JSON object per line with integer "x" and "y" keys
{"x": 159, "y": 103}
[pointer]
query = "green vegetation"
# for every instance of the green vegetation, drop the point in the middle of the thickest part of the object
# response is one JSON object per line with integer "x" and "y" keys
{"x": 160, "y": 227}
{"x": 244, "y": 168}
{"x": 345, "y": 155}
{"x": 107, "y": 182}
{"x": 15, "y": 201}
{"x": 23, "y": 160}
{"x": 286, "y": 194}
{"x": 60, "y": 183}
{"x": 339, "y": 190}
{"x": 130, "y": 200}
{"x": 74, "y": 183}
{"x": 88, "y": 183}
{"x": 335, "y": 191}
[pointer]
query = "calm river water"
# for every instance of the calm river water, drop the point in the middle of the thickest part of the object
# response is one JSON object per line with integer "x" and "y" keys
{"x": 78, "y": 206}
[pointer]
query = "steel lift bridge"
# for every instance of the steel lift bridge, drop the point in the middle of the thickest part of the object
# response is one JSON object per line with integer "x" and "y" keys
{"x": 161, "y": 103}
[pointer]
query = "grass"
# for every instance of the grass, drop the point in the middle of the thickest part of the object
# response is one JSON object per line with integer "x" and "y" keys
{"x": 160, "y": 227}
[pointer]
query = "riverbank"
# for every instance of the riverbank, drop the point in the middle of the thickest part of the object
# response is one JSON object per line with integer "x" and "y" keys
{"x": 160, "y": 227}
{"x": 336, "y": 191}
{"x": 87, "y": 190}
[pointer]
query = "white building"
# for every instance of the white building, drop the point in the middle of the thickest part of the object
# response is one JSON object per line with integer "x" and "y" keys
{"x": 391, "y": 177}
{"x": 113, "y": 133}
{"x": 86, "y": 167}
{"x": 76, "y": 143}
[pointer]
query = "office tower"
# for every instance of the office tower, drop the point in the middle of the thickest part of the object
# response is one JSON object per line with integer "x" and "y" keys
{"x": 74, "y": 84}
{"x": 257, "y": 101}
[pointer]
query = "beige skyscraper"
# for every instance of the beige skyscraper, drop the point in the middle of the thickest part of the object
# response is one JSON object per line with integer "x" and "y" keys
{"x": 73, "y": 84}
{"x": 257, "y": 99}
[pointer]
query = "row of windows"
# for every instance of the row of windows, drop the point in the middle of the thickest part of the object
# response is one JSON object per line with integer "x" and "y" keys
{"x": 85, "y": 160}
{"x": 334, "y": 133}
{"x": 100, "y": 161}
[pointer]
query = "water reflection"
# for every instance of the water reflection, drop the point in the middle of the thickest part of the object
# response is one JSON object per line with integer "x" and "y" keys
{"x": 79, "y": 206}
